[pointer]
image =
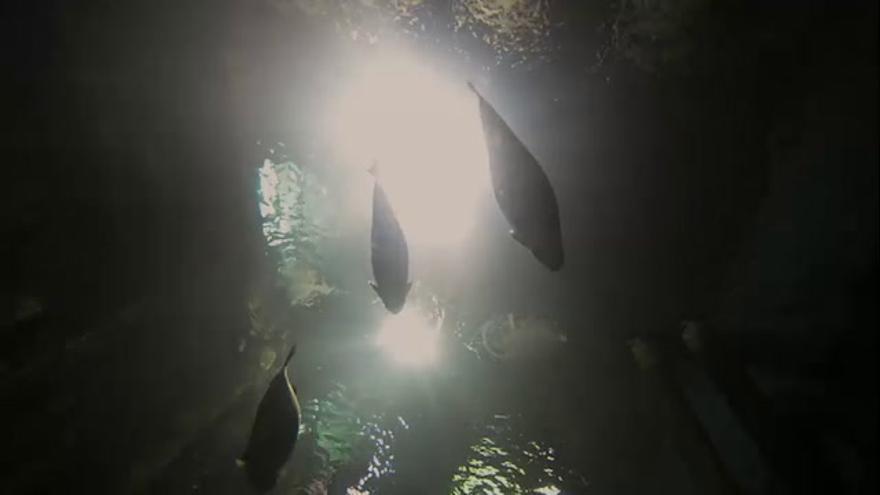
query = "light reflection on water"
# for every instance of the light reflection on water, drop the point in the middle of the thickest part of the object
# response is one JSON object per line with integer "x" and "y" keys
{"x": 382, "y": 460}
{"x": 346, "y": 447}
{"x": 345, "y": 438}
{"x": 501, "y": 460}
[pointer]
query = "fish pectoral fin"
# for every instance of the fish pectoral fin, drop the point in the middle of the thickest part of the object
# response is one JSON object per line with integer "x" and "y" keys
{"x": 374, "y": 286}
{"x": 516, "y": 236}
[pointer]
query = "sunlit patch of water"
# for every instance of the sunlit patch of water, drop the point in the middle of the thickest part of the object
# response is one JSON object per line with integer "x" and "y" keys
{"x": 421, "y": 127}
{"x": 504, "y": 461}
{"x": 412, "y": 337}
{"x": 382, "y": 461}
{"x": 294, "y": 215}
{"x": 351, "y": 438}
{"x": 346, "y": 438}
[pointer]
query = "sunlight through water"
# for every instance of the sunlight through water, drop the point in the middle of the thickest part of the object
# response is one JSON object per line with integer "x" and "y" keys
{"x": 409, "y": 338}
{"x": 423, "y": 130}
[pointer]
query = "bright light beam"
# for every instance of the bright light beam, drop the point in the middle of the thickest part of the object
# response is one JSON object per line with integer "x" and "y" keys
{"x": 409, "y": 339}
{"x": 425, "y": 134}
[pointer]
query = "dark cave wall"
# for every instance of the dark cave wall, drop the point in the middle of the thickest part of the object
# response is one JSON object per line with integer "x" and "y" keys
{"x": 130, "y": 220}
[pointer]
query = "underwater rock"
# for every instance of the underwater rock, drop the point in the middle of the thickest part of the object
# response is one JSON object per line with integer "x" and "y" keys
{"x": 27, "y": 308}
{"x": 306, "y": 286}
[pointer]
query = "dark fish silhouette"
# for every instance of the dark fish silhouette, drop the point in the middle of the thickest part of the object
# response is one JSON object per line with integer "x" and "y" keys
{"x": 522, "y": 190}
{"x": 389, "y": 253}
{"x": 274, "y": 433}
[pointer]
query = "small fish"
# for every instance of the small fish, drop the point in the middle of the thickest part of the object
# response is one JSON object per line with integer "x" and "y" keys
{"x": 274, "y": 433}
{"x": 522, "y": 190}
{"x": 389, "y": 253}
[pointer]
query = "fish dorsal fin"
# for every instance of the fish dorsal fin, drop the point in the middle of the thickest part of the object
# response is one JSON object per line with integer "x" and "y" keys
{"x": 289, "y": 356}
{"x": 517, "y": 237}
{"x": 374, "y": 286}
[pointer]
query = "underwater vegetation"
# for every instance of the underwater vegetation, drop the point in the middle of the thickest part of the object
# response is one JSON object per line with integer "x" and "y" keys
{"x": 517, "y": 31}
{"x": 652, "y": 35}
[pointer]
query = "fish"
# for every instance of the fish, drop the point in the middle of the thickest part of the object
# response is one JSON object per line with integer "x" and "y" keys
{"x": 275, "y": 431}
{"x": 522, "y": 190}
{"x": 389, "y": 253}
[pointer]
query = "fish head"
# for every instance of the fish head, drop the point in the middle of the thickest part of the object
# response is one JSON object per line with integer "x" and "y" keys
{"x": 396, "y": 299}
{"x": 545, "y": 246}
{"x": 550, "y": 254}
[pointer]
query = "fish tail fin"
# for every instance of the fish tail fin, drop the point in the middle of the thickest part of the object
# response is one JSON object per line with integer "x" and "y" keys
{"x": 289, "y": 355}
